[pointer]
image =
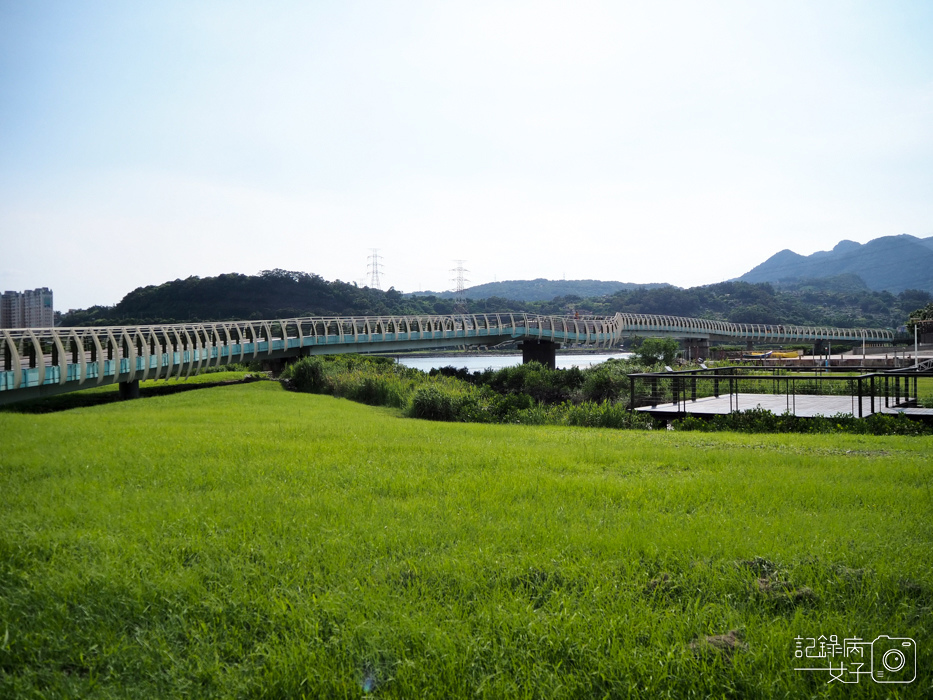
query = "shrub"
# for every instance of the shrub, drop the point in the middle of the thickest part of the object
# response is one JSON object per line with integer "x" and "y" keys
{"x": 759, "y": 420}
{"x": 602, "y": 384}
{"x": 508, "y": 406}
{"x": 534, "y": 379}
{"x": 433, "y": 402}
{"x": 605, "y": 414}
{"x": 232, "y": 367}
{"x": 307, "y": 375}
{"x": 691, "y": 423}
{"x": 655, "y": 350}
{"x": 450, "y": 371}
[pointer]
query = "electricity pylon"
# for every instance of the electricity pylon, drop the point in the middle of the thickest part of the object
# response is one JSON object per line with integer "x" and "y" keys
{"x": 460, "y": 302}
{"x": 375, "y": 267}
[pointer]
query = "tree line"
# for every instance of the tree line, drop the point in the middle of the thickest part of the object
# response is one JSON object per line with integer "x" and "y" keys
{"x": 843, "y": 302}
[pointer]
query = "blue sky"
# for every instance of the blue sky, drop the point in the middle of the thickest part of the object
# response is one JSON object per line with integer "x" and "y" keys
{"x": 681, "y": 142}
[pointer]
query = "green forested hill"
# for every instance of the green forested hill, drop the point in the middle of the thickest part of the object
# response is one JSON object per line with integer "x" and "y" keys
{"x": 544, "y": 289}
{"x": 841, "y": 301}
{"x": 270, "y": 294}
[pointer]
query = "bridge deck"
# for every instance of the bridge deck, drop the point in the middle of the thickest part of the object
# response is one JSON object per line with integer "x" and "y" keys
{"x": 42, "y": 361}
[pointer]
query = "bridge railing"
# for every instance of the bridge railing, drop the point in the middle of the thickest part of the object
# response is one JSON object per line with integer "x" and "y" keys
{"x": 40, "y": 356}
{"x": 652, "y": 323}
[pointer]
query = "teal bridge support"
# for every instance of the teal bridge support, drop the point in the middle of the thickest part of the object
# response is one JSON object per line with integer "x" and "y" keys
{"x": 46, "y": 361}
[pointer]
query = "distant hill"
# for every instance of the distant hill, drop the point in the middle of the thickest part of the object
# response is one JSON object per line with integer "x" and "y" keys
{"x": 847, "y": 283}
{"x": 841, "y": 300}
{"x": 544, "y": 290}
{"x": 270, "y": 294}
{"x": 891, "y": 263}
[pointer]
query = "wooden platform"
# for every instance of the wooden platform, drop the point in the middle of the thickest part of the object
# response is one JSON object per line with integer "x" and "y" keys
{"x": 802, "y": 405}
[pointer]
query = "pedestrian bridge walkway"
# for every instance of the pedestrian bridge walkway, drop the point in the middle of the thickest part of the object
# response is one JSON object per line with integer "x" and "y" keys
{"x": 46, "y": 361}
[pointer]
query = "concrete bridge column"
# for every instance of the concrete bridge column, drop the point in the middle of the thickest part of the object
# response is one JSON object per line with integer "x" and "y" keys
{"x": 277, "y": 366}
{"x": 543, "y": 351}
{"x": 129, "y": 390}
{"x": 697, "y": 347}
{"x": 749, "y": 346}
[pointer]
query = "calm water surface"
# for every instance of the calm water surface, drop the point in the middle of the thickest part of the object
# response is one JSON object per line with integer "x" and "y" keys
{"x": 477, "y": 363}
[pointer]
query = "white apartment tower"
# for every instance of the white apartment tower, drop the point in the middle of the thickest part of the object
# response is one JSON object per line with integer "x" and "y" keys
{"x": 29, "y": 309}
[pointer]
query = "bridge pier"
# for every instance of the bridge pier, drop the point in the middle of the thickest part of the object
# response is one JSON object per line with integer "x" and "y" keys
{"x": 129, "y": 390}
{"x": 543, "y": 351}
{"x": 697, "y": 348}
{"x": 277, "y": 366}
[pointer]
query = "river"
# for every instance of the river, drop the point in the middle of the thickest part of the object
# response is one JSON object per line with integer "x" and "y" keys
{"x": 477, "y": 363}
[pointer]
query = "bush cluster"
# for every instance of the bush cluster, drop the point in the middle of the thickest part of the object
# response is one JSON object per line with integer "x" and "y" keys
{"x": 533, "y": 394}
{"x": 607, "y": 381}
{"x": 529, "y": 394}
{"x": 232, "y": 367}
{"x": 376, "y": 381}
{"x": 759, "y": 420}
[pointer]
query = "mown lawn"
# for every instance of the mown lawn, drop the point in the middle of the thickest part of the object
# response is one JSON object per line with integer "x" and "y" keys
{"x": 244, "y": 541}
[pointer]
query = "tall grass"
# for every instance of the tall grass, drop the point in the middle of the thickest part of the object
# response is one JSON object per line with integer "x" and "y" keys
{"x": 248, "y": 542}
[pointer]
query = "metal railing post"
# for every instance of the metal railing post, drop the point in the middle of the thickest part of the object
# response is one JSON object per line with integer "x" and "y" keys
{"x": 860, "y": 396}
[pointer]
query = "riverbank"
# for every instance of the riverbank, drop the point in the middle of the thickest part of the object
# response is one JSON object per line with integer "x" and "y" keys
{"x": 498, "y": 353}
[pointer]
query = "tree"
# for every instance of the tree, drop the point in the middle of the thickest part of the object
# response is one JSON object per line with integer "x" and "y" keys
{"x": 920, "y": 315}
{"x": 655, "y": 350}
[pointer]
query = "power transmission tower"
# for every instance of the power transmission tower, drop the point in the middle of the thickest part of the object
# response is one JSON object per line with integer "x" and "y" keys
{"x": 375, "y": 267}
{"x": 460, "y": 302}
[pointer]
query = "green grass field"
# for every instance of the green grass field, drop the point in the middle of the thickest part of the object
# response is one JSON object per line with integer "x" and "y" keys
{"x": 245, "y": 541}
{"x": 97, "y": 395}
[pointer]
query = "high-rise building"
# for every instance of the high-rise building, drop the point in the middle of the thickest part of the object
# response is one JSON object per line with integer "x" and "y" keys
{"x": 10, "y": 315}
{"x": 30, "y": 309}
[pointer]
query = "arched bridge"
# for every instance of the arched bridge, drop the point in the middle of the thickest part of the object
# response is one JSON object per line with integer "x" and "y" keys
{"x": 650, "y": 325}
{"x": 46, "y": 361}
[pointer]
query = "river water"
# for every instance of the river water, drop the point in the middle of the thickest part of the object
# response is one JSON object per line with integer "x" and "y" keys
{"x": 477, "y": 363}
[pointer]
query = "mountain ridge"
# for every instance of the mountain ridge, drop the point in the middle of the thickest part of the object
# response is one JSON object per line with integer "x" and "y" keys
{"x": 541, "y": 289}
{"x": 888, "y": 263}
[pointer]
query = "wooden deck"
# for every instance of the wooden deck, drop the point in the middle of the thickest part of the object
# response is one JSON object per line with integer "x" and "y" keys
{"x": 802, "y": 405}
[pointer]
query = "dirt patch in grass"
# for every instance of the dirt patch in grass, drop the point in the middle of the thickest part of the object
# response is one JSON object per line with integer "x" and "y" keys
{"x": 723, "y": 644}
